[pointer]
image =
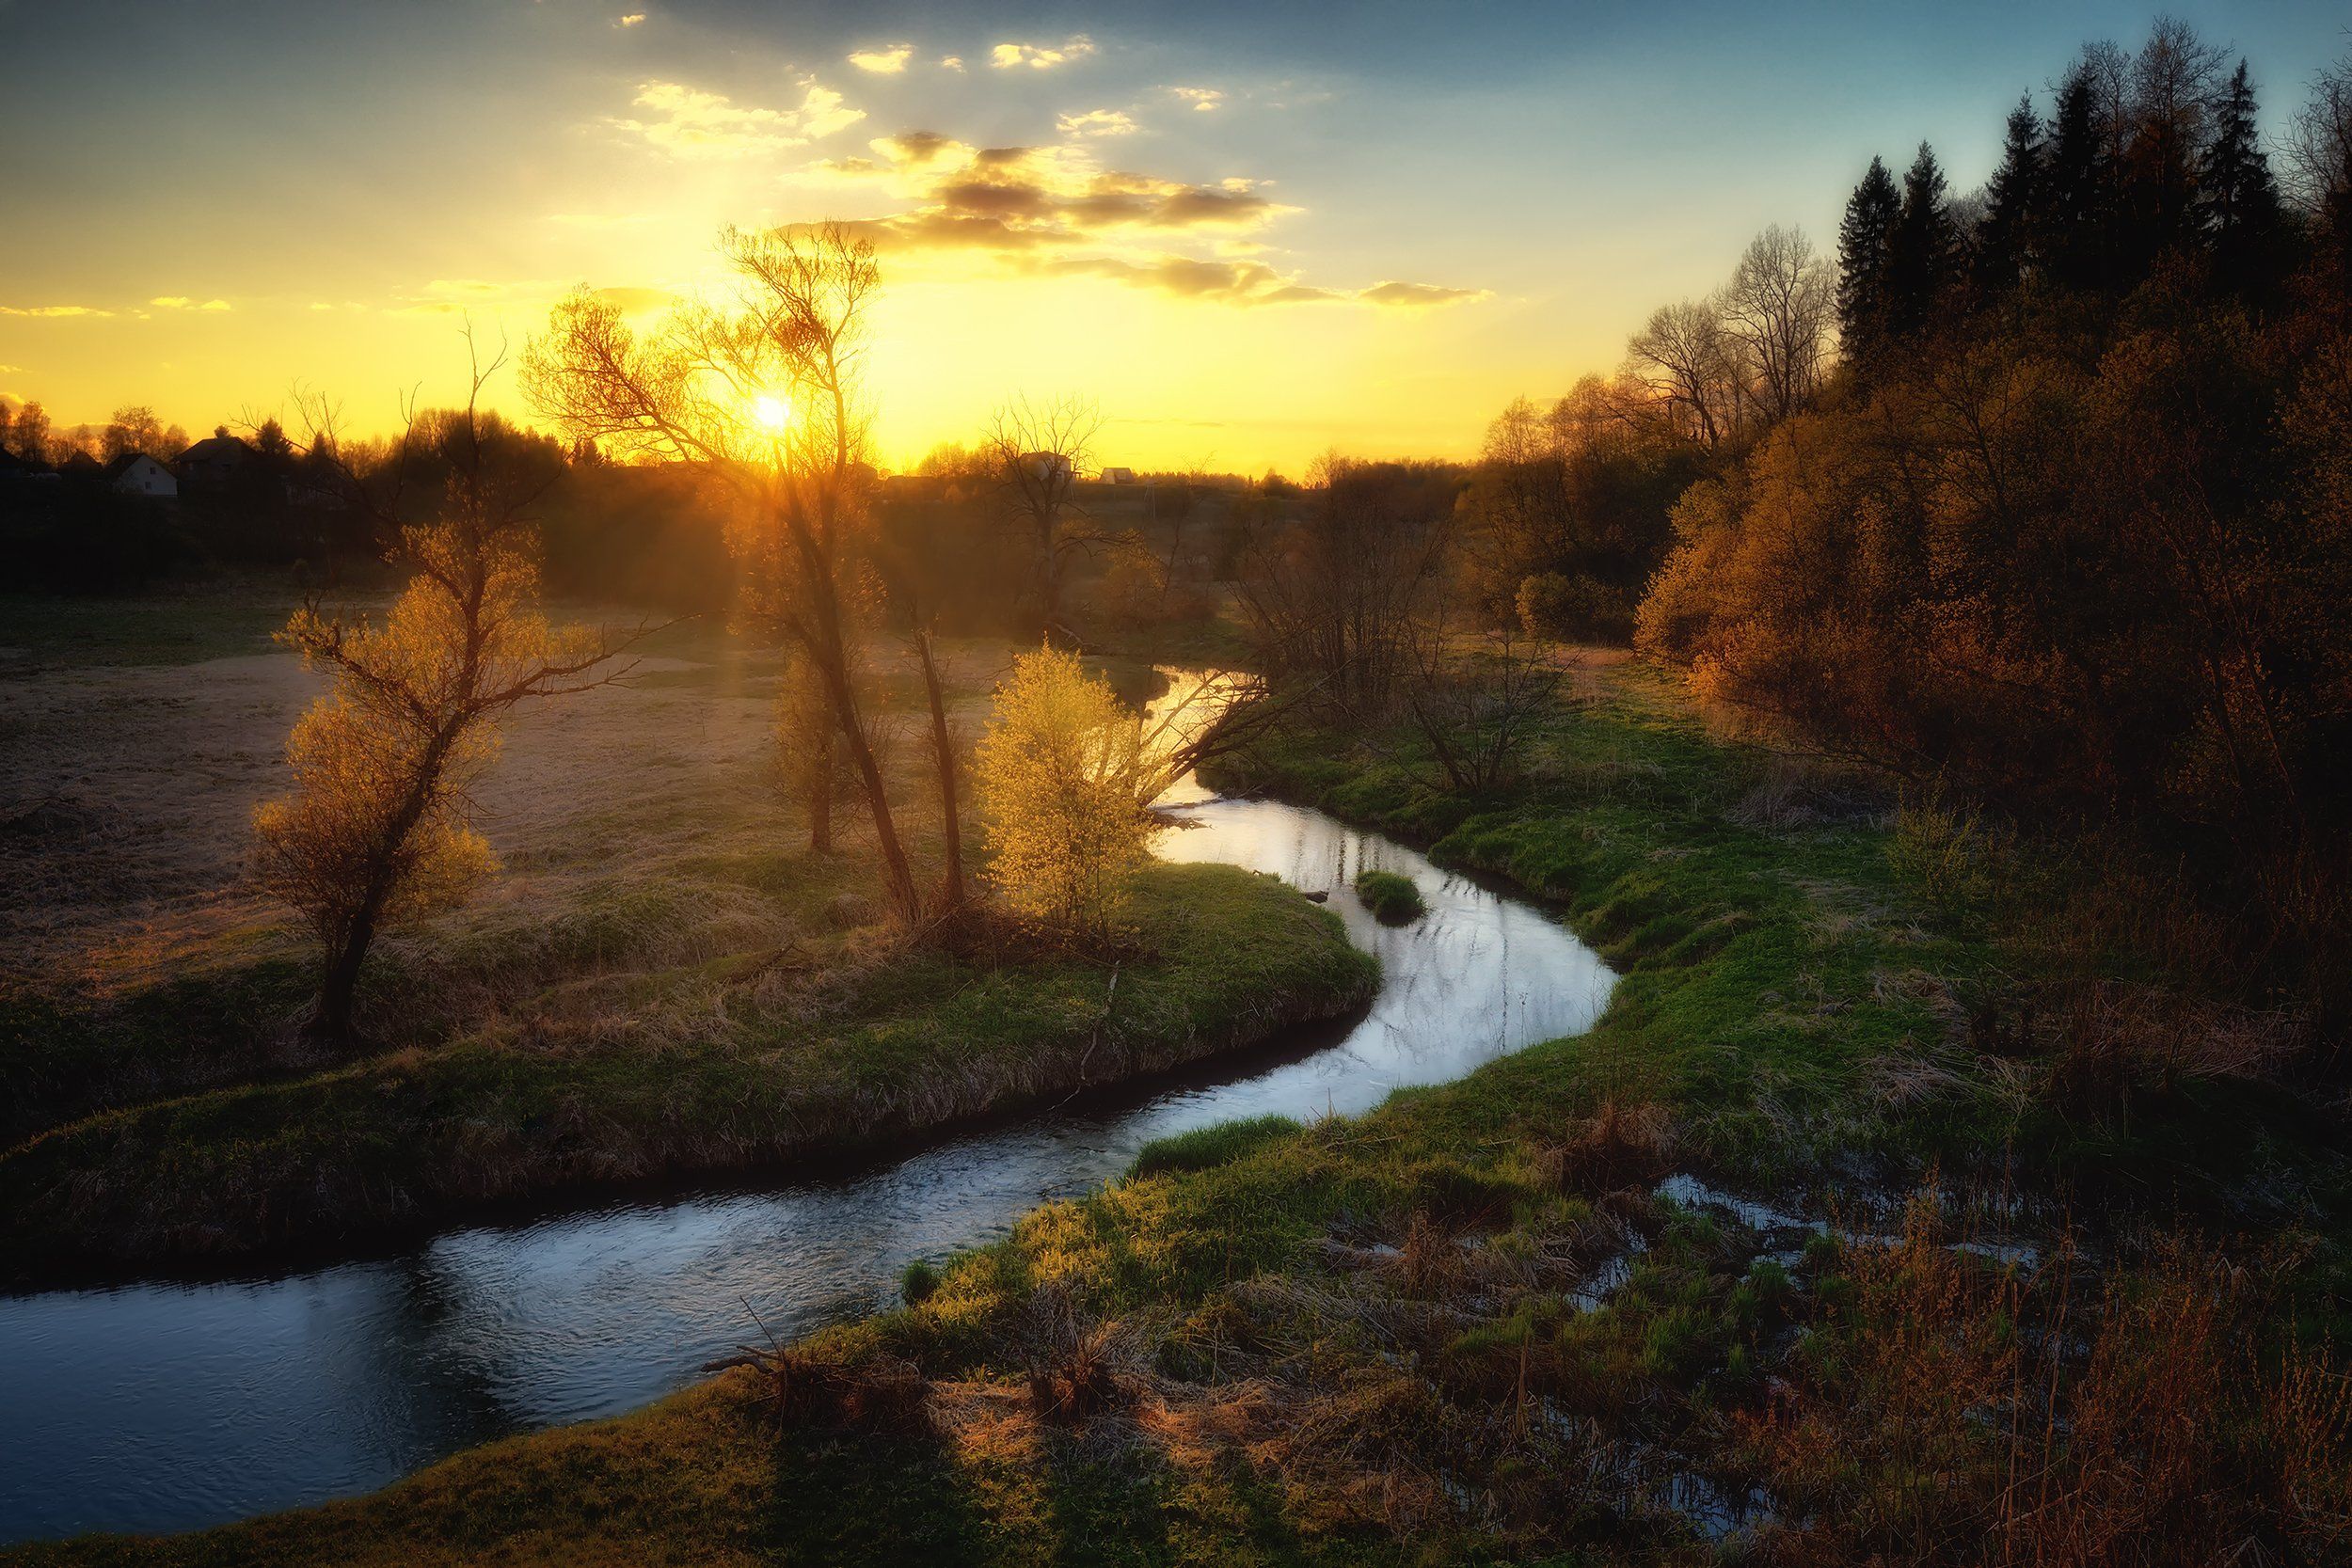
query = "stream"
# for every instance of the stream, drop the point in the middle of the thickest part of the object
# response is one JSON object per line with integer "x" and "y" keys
{"x": 164, "y": 1407}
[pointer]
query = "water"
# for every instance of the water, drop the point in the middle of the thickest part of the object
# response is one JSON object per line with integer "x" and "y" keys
{"x": 166, "y": 1406}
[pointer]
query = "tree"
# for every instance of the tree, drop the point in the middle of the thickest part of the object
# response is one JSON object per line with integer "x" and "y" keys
{"x": 2238, "y": 206}
{"x": 2013, "y": 199}
{"x": 1777, "y": 308}
{"x": 2319, "y": 165}
{"x": 1921, "y": 250}
{"x": 28, "y": 433}
{"x": 2073, "y": 230}
{"x": 1034, "y": 453}
{"x": 1862, "y": 260}
{"x": 137, "y": 430}
{"x": 1066, "y": 783}
{"x": 2171, "y": 85}
{"x": 1684, "y": 354}
{"x": 375, "y": 830}
{"x": 768, "y": 391}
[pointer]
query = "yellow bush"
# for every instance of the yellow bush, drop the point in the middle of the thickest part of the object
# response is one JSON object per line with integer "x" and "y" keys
{"x": 1065, "y": 787}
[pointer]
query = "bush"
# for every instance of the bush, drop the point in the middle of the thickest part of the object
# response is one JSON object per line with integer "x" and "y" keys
{"x": 1576, "y": 609}
{"x": 1394, "y": 900}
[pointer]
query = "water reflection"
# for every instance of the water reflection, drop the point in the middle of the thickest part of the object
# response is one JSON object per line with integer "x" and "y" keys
{"x": 166, "y": 1406}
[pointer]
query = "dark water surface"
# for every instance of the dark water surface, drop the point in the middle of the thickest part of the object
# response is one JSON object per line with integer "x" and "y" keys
{"x": 164, "y": 1407}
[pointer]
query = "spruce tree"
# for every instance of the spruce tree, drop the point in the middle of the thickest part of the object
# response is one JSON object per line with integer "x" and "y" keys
{"x": 2238, "y": 208}
{"x": 2006, "y": 242}
{"x": 1862, "y": 255}
{"x": 2074, "y": 187}
{"x": 1921, "y": 249}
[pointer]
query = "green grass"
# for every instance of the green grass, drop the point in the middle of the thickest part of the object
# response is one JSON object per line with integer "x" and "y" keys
{"x": 1394, "y": 900}
{"x": 690, "y": 1070}
{"x": 1204, "y": 1147}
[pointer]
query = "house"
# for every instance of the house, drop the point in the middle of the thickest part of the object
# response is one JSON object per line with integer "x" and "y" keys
{"x": 135, "y": 473}
{"x": 1119, "y": 476}
{"x": 214, "y": 463}
{"x": 1047, "y": 467}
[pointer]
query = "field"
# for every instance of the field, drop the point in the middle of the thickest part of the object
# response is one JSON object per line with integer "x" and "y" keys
{"x": 662, "y": 983}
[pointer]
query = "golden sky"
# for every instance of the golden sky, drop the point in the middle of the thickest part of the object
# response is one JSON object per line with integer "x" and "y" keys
{"x": 1251, "y": 231}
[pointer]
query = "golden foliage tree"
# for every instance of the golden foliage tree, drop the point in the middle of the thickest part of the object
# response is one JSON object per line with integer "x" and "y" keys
{"x": 1066, "y": 778}
{"x": 374, "y": 830}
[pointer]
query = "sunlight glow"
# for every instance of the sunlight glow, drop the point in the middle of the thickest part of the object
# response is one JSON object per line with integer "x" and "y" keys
{"x": 773, "y": 413}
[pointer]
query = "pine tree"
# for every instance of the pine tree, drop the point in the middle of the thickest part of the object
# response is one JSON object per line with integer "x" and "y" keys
{"x": 1862, "y": 255}
{"x": 1921, "y": 249}
{"x": 2006, "y": 242}
{"x": 2074, "y": 188}
{"x": 2238, "y": 208}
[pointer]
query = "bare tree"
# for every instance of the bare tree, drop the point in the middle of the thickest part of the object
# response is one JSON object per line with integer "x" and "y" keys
{"x": 1686, "y": 358}
{"x": 375, "y": 827}
{"x": 2319, "y": 144}
{"x": 1778, "y": 305}
{"x": 767, "y": 390}
{"x": 1034, "y": 453}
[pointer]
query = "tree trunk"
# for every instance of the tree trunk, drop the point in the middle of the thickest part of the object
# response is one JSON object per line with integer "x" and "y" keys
{"x": 820, "y": 797}
{"x": 943, "y": 753}
{"x": 338, "y": 985}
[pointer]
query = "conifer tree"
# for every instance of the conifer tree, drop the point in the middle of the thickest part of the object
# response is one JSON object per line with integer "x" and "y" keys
{"x": 2238, "y": 206}
{"x": 1862, "y": 254}
{"x": 2073, "y": 191}
{"x": 2006, "y": 248}
{"x": 1921, "y": 249}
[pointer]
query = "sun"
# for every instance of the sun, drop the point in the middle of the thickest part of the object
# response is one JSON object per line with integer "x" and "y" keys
{"x": 773, "y": 413}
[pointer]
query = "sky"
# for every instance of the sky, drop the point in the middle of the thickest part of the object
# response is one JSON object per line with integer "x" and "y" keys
{"x": 1252, "y": 230}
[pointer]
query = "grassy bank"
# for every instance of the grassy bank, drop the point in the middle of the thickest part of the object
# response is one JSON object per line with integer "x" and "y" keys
{"x": 724, "y": 1064}
{"x": 1497, "y": 1320}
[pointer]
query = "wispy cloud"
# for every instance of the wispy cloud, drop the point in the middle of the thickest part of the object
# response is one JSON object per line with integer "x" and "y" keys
{"x": 887, "y": 61}
{"x": 688, "y": 122}
{"x": 1008, "y": 56}
{"x": 182, "y": 302}
{"x": 52, "y": 310}
{"x": 1202, "y": 99}
{"x": 1056, "y": 210}
{"x": 630, "y": 20}
{"x": 1419, "y": 295}
{"x": 1097, "y": 122}
{"x": 951, "y": 62}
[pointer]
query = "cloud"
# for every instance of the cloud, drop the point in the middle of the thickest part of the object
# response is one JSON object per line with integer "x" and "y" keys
{"x": 1009, "y": 57}
{"x": 1202, "y": 99}
{"x": 1419, "y": 295}
{"x": 1097, "y": 122}
{"x": 951, "y": 62}
{"x": 631, "y": 20}
{"x": 692, "y": 123}
{"x": 182, "y": 301}
{"x": 887, "y": 61}
{"x": 52, "y": 310}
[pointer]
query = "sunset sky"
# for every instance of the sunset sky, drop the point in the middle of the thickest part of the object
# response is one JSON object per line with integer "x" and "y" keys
{"x": 1253, "y": 230}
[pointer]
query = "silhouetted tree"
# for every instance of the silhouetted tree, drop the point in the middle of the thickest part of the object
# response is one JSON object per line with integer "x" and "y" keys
{"x": 1862, "y": 260}
{"x": 1777, "y": 308}
{"x": 2013, "y": 199}
{"x": 1033, "y": 453}
{"x": 2073, "y": 231}
{"x": 1922, "y": 249}
{"x": 2239, "y": 203}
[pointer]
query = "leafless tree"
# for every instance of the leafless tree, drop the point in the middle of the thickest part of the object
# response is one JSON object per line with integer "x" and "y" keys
{"x": 1779, "y": 306}
{"x": 1034, "y": 453}
{"x": 707, "y": 386}
{"x": 2319, "y": 143}
{"x": 1685, "y": 356}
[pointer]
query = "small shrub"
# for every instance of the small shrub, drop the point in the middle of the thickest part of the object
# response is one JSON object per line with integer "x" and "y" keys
{"x": 1393, "y": 899}
{"x": 1575, "y": 609}
{"x": 919, "y": 1283}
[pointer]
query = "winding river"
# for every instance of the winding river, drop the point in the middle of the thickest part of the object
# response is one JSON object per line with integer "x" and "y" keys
{"x": 164, "y": 1406}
